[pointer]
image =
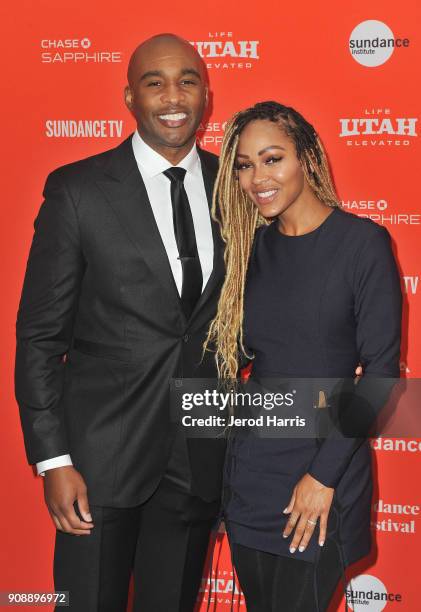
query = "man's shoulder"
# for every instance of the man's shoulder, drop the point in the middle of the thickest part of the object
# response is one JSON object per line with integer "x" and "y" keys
{"x": 88, "y": 167}
{"x": 209, "y": 158}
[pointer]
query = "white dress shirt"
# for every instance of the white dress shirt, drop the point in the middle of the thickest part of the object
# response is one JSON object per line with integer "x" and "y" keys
{"x": 158, "y": 187}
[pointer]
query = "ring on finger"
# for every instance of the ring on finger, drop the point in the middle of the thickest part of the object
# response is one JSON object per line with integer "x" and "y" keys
{"x": 311, "y": 522}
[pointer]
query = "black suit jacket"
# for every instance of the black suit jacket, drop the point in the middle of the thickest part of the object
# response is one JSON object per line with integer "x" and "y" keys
{"x": 100, "y": 333}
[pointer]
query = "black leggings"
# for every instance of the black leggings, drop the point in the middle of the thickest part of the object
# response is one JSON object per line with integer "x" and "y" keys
{"x": 273, "y": 583}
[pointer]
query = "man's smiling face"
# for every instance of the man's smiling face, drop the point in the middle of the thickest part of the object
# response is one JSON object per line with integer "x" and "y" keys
{"x": 167, "y": 92}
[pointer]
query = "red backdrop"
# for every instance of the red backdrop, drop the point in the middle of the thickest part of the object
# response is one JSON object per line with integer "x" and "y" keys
{"x": 64, "y": 71}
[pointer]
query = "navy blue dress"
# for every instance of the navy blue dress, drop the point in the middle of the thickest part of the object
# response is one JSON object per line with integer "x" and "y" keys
{"x": 316, "y": 306}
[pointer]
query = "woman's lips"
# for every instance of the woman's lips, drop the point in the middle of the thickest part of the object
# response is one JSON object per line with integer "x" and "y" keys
{"x": 173, "y": 120}
{"x": 267, "y": 196}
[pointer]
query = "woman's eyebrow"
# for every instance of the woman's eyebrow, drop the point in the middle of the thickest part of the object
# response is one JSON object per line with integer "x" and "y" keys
{"x": 262, "y": 151}
{"x": 271, "y": 147}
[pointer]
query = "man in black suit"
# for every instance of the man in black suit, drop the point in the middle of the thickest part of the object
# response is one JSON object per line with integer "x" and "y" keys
{"x": 122, "y": 280}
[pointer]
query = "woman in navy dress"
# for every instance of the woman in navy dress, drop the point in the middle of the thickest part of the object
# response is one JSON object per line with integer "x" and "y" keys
{"x": 311, "y": 292}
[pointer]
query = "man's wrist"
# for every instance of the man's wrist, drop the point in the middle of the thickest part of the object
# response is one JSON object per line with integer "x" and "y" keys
{"x": 54, "y": 462}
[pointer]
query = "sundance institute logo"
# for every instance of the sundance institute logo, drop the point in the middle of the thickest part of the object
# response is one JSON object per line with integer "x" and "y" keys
{"x": 372, "y": 43}
{"x": 366, "y": 592}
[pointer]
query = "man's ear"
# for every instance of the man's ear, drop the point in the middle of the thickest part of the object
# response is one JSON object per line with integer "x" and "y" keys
{"x": 206, "y": 96}
{"x": 128, "y": 97}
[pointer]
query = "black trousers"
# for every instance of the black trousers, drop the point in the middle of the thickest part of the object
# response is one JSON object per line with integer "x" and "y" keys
{"x": 274, "y": 583}
{"x": 163, "y": 541}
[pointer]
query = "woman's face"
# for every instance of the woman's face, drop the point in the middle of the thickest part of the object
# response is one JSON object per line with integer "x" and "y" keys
{"x": 268, "y": 168}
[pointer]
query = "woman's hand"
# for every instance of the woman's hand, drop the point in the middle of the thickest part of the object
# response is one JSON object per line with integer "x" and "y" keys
{"x": 310, "y": 501}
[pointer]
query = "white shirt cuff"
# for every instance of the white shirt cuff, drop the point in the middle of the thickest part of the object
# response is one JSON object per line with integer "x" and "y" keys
{"x": 54, "y": 462}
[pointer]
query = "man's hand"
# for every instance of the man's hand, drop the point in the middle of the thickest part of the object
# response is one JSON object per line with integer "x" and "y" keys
{"x": 62, "y": 487}
{"x": 310, "y": 501}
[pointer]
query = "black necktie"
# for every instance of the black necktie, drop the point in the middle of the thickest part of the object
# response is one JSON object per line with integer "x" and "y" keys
{"x": 186, "y": 241}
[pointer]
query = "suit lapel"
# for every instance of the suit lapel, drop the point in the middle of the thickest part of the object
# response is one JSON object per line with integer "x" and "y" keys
{"x": 209, "y": 172}
{"x": 126, "y": 193}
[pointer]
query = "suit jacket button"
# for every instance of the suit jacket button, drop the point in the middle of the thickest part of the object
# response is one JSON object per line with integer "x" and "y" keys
{"x": 186, "y": 338}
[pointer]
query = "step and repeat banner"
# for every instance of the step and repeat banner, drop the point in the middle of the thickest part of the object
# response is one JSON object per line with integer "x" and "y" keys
{"x": 351, "y": 69}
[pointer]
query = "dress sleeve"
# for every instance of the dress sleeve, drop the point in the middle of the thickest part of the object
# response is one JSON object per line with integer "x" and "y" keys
{"x": 378, "y": 312}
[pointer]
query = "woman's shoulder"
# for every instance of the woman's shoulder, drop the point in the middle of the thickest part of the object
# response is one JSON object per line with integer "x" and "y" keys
{"x": 260, "y": 232}
{"x": 261, "y": 229}
{"x": 365, "y": 242}
{"x": 361, "y": 228}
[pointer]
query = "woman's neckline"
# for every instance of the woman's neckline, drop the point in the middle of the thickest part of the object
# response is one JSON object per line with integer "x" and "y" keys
{"x": 311, "y": 233}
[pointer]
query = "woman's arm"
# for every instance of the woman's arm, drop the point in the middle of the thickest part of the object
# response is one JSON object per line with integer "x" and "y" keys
{"x": 378, "y": 310}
